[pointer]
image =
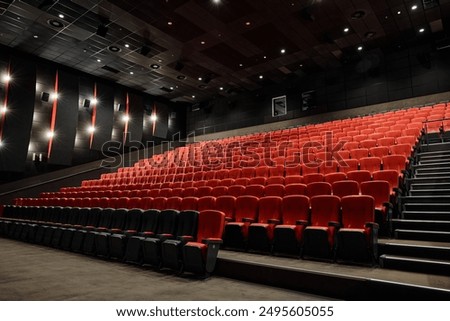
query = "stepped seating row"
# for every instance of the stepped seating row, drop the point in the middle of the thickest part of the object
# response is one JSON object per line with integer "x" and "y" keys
{"x": 396, "y": 162}
{"x": 181, "y": 240}
{"x": 321, "y": 226}
{"x": 295, "y": 225}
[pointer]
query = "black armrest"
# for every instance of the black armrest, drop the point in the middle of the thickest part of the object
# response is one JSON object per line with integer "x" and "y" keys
{"x": 228, "y": 219}
{"x": 185, "y": 238}
{"x": 372, "y": 225}
{"x": 334, "y": 224}
{"x": 301, "y": 222}
{"x": 247, "y": 220}
{"x": 274, "y": 221}
{"x": 214, "y": 241}
{"x": 163, "y": 237}
{"x": 388, "y": 205}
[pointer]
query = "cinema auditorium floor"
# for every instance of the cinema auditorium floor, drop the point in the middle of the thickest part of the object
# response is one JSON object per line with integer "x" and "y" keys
{"x": 31, "y": 272}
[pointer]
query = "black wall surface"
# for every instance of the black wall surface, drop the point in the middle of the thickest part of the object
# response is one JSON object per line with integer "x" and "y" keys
{"x": 66, "y": 120}
{"x": 29, "y": 118}
{"x": 19, "y": 117}
{"x": 372, "y": 78}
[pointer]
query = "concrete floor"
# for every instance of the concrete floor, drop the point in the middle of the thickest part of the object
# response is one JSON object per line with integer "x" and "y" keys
{"x": 31, "y": 272}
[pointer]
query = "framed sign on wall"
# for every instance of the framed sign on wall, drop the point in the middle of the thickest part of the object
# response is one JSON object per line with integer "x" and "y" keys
{"x": 279, "y": 106}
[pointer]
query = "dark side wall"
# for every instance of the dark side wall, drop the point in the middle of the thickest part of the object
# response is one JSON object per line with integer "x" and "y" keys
{"x": 373, "y": 78}
{"x": 30, "y": 116}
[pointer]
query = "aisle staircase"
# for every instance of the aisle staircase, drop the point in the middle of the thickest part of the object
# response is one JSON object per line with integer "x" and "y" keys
{"x": 422, "y": 232}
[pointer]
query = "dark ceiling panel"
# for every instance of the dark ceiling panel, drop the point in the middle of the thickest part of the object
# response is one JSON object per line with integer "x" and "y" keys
{"x": 230, "y": 11}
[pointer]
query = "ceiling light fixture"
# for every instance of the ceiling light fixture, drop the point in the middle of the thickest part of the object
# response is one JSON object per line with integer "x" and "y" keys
{"x": 169, "y": 23}
{"x": 131, "y": 73}
{"x": 346, "y": 29}
{"x": 221, "y": 88}
{"x": 113, "y": 48}
{"x": 99, "y": 60}
{"x": 61, "y": 16}
{"x": 94, "y": 101}
{"x": 126, "y": 118}
{"x": 35, "y": 36}
{"x": 153, "y": 118}
{"x": 203, "y": 42}
{"x": 399, "y": 12}
{"x": 91, "y": 129}
{"x": 4, "y": 109}
{"x": 181, "y": 77}
{"x": 414, "y": 7}
{"x": 283, "y": 51}
{"x": 50, "y": 134}
{"x": 193, "y": 96}
{"x": 261, "y": 76}
{"x": 55, "y": 23}
{"x": 248, "y": 23}
{"x": 127, "y": 45}
{"x": 421, "y": 30}
{"x": 360, "y": 48}
{"x": 154, "y": 66}
{"x": 200, "y": 78}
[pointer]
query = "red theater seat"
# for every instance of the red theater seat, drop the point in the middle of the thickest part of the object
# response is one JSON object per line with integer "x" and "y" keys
{"x": 288, "y": 236}
{"x": 320, "y": 236}
{"x": 318, "y": 188}
{"x": 260, "y": 234}
{"x": 344, "y": 188}
{"x": 236, "y": 232}
{"x": 357, "y": 238}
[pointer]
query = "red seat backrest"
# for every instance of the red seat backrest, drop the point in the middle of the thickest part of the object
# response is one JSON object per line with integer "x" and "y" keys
{"x": 269, "y": 208}
{"x": 246, "y": 207}
{"x": 344, "y": 188}
{"x": 324, "y": 209}
{"x": 227, "y": 205}
{"x": 189, "y": 203}
{"x": 295, "y": 189}
{"x": 211, "y": 224}
{"x": 357, "y": 210}
{"x": 318, "y": 188}
{"x": 274, "y": 190}
{"x": 295, "y": 207}
{"x": 206, "y": 203}
{"x": 379, "y": 190}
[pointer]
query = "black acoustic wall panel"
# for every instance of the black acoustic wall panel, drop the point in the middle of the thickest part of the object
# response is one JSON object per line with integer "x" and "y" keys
{"x": 104, "y": 116}
{"x": 19, "y": 118}
{"x": 136, "y": 113}
{"x": 162, "y": 122}
{"x": 66, "y": 120}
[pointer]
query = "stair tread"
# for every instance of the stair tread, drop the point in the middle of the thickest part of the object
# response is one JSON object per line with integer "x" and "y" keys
{"x": 420, "y": 221}
{"x": 422, "y": 231}
{"x": 426, "y": 212}
{"x": 420, "y": 243}
{"x": 415, "y": 259}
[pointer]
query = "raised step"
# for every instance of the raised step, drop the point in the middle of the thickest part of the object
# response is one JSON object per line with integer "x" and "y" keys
{"x": 441, "y": 173}
{"x": 422, "y": 235}
{"x": 429, "y": 192}
{"x": 419, "y": 249}
{"x": 428, "y": 180}
{"x": 426, "y": 199}
{"x": 427, "y": 207}
{"x": 427, "y": 215}
{"x": 426, "y": 186}
{"x": 431, "y": 170}
{"x": 435, "y": 147}
{"x": 424, "y": 224}
{"x": 430, "y": 165}
{"x": 424, "y": 153}
{"x": 406, "y": 263}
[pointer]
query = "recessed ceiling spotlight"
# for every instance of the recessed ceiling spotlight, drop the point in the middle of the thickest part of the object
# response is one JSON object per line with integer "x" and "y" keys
{"x": 91, "y": 129}
{"x": 265, "y": 57}
{"x": 55, "y": 23}
{"x": 50, "y": 134}
{"x": 358, "y": 14}
{"x": 127, "y": 45}
{"x": 346, "y": 29}
{"x": 221, "y": 88}
{"x": 153, "y": 118}
{"x": 193, "y": 96}
{"x": 35, "y": 36}
{"x": 248, "y": 23}
{"x": 160, "y": 60}
{"x": 202, "y": 86}
{"x": 414, "y": 7}
{"x": 54, "y": 96}
{"x": 3, "y": 110}
{"x": 200, "y": 78}
{"x": 399, "y": 12}
{"x": 181, "y": 77}
{"x": 360, "y": 48}
{"x": 169, "y": 23}
{"x": 99, "y": 60}
{"x": 202, "y": 42}
{"x": 131, "y": 73}
{"x": 126, "y": 118}
{"x": 301, "y": 65}
{"x": 94, "y": 101}
{"x": 241, "y": 65}
{"x": 369, "y": 34}
{"x": 216, "y": 1}
{"x": 113, "y": 48}
{"x": 171, "y": 88}
{"x": 61, "y": 16}
{"x": 261, "y": 76}
{"x": 154, "y": 66}
{"x": 421, "y": 30}
{"x": 283, "y": 51}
